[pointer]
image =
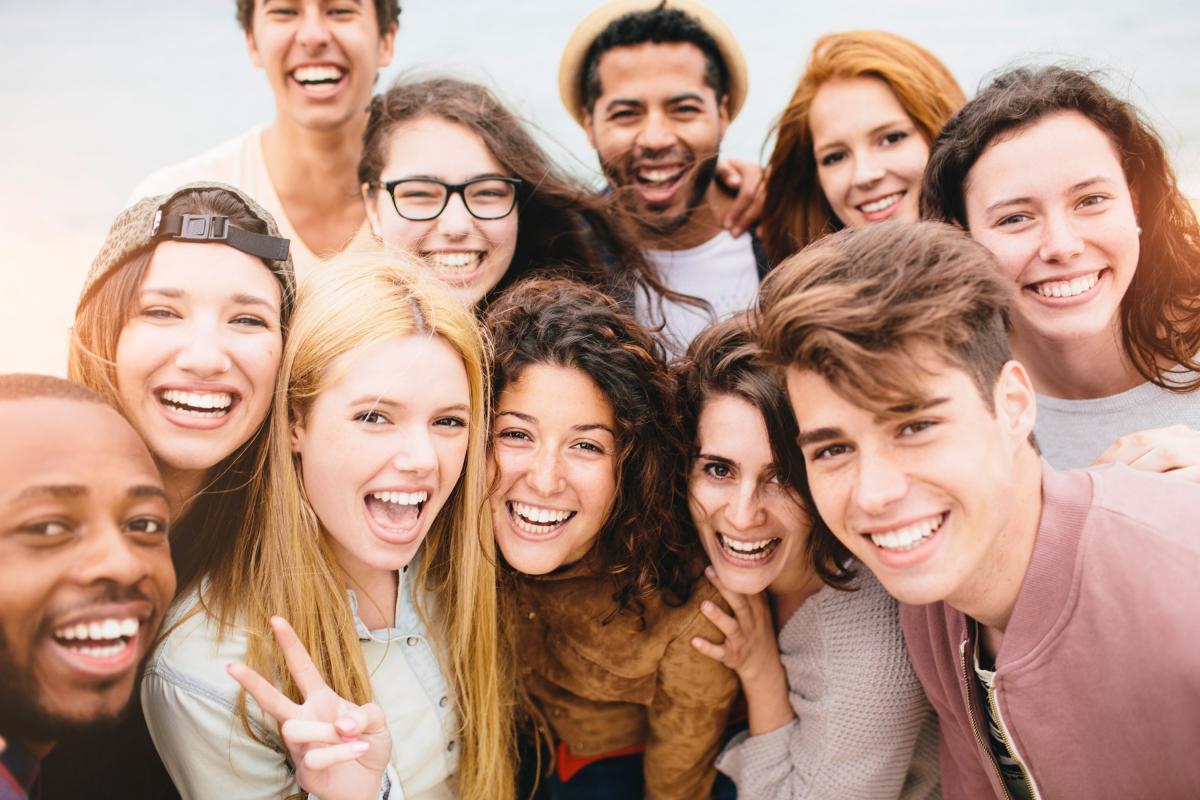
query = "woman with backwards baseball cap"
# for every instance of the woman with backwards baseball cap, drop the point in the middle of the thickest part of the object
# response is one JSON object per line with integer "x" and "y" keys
{"x": 180, "y": 325}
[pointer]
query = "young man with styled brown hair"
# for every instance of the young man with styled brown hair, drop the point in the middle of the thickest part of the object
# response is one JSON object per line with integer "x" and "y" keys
{"x": 1048, "y": 614}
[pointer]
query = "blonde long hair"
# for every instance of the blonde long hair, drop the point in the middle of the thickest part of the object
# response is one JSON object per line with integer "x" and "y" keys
{"x": 283, "y": 563}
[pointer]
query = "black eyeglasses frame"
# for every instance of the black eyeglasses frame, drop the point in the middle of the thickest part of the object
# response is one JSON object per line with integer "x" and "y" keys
{"x": 451, "y": 190}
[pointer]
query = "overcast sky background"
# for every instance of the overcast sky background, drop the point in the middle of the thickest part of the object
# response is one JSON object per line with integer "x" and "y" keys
{"x": 101, "y": 93}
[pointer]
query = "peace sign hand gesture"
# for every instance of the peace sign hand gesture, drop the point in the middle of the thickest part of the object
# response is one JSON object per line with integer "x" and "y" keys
{"x": 340, "y": 750}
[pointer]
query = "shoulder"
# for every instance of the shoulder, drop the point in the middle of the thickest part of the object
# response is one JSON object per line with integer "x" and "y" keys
{"x": 192, "y": 655}
{"x": 1144, "y": 504}
{"x": 228, "y": 162}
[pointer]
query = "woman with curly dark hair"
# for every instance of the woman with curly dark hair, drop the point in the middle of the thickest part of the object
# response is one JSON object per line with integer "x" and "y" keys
{"x": 1072, "y": 192}
{"x": 606, "y": 581}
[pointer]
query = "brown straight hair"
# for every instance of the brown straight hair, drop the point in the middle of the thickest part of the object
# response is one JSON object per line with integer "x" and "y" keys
{"x": 797, "y": 212}
{"x": 1160, "y": 312}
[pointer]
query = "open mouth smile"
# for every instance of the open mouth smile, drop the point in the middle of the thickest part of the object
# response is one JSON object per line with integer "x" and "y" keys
{"x": 104, "y": 646}
{"x": 746, "y": 553}
{"x": 657, "y": 183}
{"x": 206, "y": 405}
{"x": 881, "y": 207}
{"x": 396, "y": 516}
{"x": 454, "y": 266}
{"x": 910, "y": 536}
{"x": 320, "y": 79}
{"x": 1066, "y": 289}
{"x": 537, "y": 521}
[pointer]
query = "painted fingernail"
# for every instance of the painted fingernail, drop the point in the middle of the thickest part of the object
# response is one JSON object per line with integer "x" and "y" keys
{"x": 706, "y": 605}
{"x": 345, "y": 725}
{"x": 360, "y": 747}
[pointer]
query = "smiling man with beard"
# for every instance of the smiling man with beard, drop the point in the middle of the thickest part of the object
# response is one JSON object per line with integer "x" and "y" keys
{"x": 655, "y": 85}
{"x": 85, "y": 570}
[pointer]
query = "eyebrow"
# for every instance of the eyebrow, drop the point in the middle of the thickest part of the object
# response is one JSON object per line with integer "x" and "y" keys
{"x": 718, "y": 459}
{"x": 806, "y": 438}
{"x": 146, "y": 490}
{"x": 685, "y": 97}
{"x": 590, "y": 426}
{"x": 241, "y": 298}
{"x": 1072, "y": 189}
{"x": 436, "y": 179}
{"x": 55, "y": 491}
{"x": 376, "y": 401}
{"x": 623, "y": 101}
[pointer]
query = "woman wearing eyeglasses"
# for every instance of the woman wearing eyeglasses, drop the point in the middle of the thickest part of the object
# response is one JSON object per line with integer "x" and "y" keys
{"x": 452, "y": 176}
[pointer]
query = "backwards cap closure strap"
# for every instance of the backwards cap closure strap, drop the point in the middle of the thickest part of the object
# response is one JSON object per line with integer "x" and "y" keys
{"x": 216, "y": 228}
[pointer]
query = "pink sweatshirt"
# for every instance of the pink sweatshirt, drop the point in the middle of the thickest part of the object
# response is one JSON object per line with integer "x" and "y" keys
{"x": 1098, "y": 676}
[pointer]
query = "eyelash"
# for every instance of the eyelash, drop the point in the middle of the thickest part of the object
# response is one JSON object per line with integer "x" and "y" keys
{"x": 159, "y": 524}
{"x": 831, "y": 451}
{"x": 371, "y": 418}
{"x": 712, "y": 468}
{"x": 451, "y": 422}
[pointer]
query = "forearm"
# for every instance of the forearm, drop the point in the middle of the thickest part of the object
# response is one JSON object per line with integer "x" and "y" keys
{"x": 767, "y": 700}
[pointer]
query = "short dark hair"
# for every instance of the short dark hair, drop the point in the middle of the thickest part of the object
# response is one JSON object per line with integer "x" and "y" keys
{"x": 1159, "y": 319}
{"x": 28, "y": 386}
{"x": 387, "y": 14}
{"x": 559, "y": 322}
{"x": 853, "y": 306}
{"x": 660, "y": 25}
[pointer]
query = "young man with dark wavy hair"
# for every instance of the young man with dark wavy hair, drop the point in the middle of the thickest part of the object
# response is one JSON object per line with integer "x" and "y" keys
{"x": 1050, "y": 615}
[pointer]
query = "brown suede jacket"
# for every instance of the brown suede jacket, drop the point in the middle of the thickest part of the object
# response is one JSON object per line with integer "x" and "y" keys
{"x": 602, "y": 687}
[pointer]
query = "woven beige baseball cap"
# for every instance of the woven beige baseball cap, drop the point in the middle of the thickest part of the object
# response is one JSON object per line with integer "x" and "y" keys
{"x": 138, "y": 228}
{"x": 571, "y": 67}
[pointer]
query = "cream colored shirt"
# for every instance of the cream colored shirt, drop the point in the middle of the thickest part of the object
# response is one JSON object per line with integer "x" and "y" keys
{"x": 190, "y": 705}
{"x": 240, "y": 162}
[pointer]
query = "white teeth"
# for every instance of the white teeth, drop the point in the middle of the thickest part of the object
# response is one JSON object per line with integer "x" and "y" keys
{"x": 202, "y": 404}
{"x": 1071, "y": 288}
{"x": 314, "y": 74}
{"x": 100, "y": 630}
{"x": 658, "y": 175}
{"x": 881, "y": 203}
{"x": 103, "y": 652}
{"x": 748, "y": 551}
{"x": 909, "y": 536}
{"x": 452, "y": 263}
{"x": 402, "y": 498}
{"x": 536, "y": 519}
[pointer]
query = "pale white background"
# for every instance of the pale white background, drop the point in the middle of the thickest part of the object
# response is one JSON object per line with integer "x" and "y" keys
{"x": 98, "y": 93}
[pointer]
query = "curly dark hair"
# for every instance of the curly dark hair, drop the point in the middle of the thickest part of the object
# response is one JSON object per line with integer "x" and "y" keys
{"x": 1160, "y": 312}
{"x": 387, "y": 14}
{"x": 560, "y": 322}
{"x": 725, "y": 359}
{"x": 660, "y": 25}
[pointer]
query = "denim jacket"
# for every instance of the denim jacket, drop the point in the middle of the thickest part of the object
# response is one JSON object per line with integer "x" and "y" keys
{"x": 190, "y": 703}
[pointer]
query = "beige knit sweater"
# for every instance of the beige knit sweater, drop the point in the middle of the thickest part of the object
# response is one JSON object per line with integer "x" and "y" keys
{"x": 863, "y": 728}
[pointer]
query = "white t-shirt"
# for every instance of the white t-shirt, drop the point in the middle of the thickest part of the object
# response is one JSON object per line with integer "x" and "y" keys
{"x": 722, "y": 271}
{"x": 240, "y": 162}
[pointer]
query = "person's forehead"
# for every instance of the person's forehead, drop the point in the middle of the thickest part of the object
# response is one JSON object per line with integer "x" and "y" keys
{"x": 649, "y": 64}
{"x": 51, "y": 441}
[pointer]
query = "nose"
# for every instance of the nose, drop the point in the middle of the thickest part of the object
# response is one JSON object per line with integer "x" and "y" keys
{"x": 455, "y": 221}
{"x": 416, "y": 453}
{"x": 203, "y": 354}
{"x": 880, "y": 482}
{"x": 655, "y": 133}
{"x": 313, "y": 33}
{"x": 1060, "y": 241}
{"x": 744, "y": 509}
{"x": 868, "y": 169}
{"x": 112, "y": 557}
{"x": 545, "y": 475}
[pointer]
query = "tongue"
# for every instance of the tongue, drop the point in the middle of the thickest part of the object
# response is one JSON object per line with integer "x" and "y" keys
{"x": 392, "y": 514}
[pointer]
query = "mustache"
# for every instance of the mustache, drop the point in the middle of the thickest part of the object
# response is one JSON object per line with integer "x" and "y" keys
{"x": 107, "y": 592}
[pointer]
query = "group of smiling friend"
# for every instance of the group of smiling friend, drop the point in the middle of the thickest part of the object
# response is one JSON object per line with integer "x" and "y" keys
{"x": 396, "y": 462}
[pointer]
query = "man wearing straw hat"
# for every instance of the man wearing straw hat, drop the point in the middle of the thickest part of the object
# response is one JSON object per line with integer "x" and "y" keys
{"x": 654, "y": 86}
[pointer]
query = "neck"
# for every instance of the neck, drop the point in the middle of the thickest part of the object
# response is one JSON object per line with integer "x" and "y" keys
{"x": 703, "y": 224}
{"x": 38, "y": 750}
{"x": 314, "y": 163}
{"x": 183, "y": 486}
{"x": 1078, "y": 369}
{"x": 791, "y": 588}
{"x": 375, "y": 588}
{"x": 989, "y": 595}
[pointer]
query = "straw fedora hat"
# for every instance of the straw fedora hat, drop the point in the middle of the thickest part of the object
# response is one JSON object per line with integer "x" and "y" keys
{"x": 571, "y": 67}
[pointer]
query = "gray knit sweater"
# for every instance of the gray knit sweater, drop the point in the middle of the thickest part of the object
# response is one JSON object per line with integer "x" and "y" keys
{"x": 863, "y": 728}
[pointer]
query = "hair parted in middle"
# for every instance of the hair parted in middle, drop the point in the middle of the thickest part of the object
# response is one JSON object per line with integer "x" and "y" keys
{"x": 862, "y": 307}
{"x": 797, "y": 212}
{"x": 565, "y": 227}
{"x": 1160, "y": 312}
{"x": 284, "y": 563}
{"x": 562, "y": 323}
{"x": 726, "y": 361}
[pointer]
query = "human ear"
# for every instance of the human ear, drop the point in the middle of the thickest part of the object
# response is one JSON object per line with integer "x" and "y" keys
{"x": 372, "y": 211}
{"x": 252, "y": 49}
{"x": 297, "y": 430}
{"x": 586, "y": 117}
{"x": 1015, "y": 401}
{"x": 387, "y": 46}
{"x": 723, "y": 113}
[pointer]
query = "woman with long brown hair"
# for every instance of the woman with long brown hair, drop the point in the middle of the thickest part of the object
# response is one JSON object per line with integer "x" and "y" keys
{"x": 605, "y": 581}
{"x": 1072, "y": 191}
{"x": 852, "y": 143}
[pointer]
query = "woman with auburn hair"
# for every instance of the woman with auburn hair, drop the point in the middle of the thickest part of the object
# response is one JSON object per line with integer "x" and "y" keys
{"x": 851, "y": 146}
{"x": 835, "y": 709}
{"x": 1072, "y": 192}
{"x": 606, "y": 585}
{"x": 369, "y": 541}
{"x": 452, "y": 176}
